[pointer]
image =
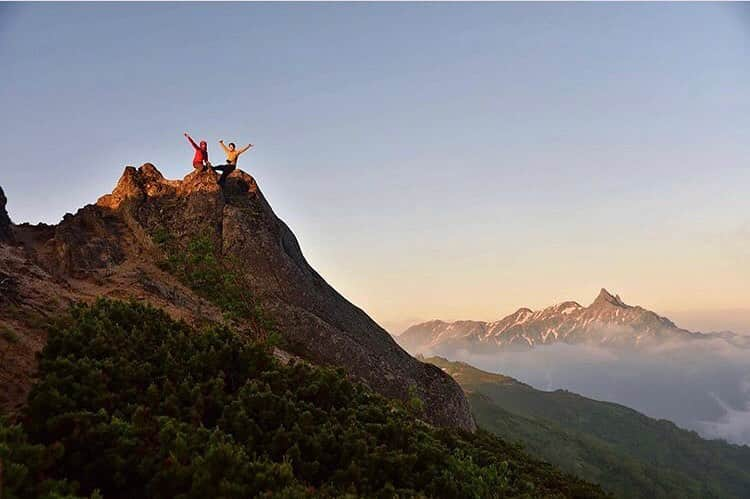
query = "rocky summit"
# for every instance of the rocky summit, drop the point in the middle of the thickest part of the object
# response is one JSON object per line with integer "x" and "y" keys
{"x": 113, "y": 248}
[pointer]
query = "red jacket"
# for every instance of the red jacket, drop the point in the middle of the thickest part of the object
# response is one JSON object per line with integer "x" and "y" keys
{"x": 201, "y": 155}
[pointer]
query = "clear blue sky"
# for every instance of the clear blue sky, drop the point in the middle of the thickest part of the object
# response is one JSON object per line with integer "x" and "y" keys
{"x": 435, "y": 160}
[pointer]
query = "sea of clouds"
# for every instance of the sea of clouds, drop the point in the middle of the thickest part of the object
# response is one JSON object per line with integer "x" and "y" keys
{"x": 699, "y": 385}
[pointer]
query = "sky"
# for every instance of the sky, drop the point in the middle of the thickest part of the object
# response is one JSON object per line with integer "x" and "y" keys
{"x": 434, "y": 160}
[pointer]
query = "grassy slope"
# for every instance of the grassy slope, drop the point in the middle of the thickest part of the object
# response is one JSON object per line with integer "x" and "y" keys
{"x": 626, "y": 452}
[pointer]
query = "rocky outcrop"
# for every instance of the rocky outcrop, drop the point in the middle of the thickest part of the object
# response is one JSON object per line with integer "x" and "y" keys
{"x": 107, "y": 248}
{"x": 5, "y": 224}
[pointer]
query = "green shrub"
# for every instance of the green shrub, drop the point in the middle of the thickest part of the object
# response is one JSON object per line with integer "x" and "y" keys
{"x": 415, "y": 404}
{"x": 134, "y": 404}
{"x": 25, "y": 467}
{"x": 201, "y": 267}
{"x": 8, "y": 334}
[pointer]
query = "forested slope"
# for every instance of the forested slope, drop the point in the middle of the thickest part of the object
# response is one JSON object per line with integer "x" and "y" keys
{"x": 624, "y": 451}
{"x": 130, "y": 403}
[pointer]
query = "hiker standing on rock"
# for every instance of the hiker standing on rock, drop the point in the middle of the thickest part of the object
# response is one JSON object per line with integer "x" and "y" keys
{"x": 232, "y": 155}
{"x": 200, "y": 160}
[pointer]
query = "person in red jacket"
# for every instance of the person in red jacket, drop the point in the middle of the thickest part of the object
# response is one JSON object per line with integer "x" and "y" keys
{"x": 200, "y": 160}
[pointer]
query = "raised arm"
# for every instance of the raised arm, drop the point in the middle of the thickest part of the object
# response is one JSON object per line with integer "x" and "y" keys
{"x": 244, "y": 149}
{"x": 221, "y": 143}
{"x": 191, "y": 140}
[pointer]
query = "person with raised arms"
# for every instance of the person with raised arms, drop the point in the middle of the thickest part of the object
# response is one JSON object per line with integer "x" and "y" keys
{"x": 233, "y": 155}
{"x": 200, "y": 160}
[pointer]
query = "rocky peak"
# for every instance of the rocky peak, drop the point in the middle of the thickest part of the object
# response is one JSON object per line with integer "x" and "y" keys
{"x": 5, "y": 223}
{"x": 146, "y": 181}
{"x": 606, "y": 298}
{"x": 112, "y": 246}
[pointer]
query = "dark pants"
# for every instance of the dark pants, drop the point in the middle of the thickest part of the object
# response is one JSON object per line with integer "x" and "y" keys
{"x": 225, "y": 171}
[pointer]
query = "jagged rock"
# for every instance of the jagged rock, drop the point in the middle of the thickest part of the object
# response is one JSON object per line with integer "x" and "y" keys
{"x": 6, "y": 233}
{"x": 109, "y": 244}
{"x": 606, "y": 298}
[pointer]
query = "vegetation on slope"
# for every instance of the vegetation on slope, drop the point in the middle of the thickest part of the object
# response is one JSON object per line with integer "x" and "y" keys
{"x": 130, "y": 403}
{"x": 200, "y": 266}
{"x": 626, "y": 452}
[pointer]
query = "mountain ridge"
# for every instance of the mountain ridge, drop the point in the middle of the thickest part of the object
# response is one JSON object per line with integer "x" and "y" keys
{"x": 607, "y": 321}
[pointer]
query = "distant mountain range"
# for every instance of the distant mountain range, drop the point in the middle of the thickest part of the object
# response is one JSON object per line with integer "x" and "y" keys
{"x": 608, "y": 321}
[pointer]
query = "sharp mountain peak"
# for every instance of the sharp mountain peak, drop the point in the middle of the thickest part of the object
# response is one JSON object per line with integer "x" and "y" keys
{"x": 605, "y": 297}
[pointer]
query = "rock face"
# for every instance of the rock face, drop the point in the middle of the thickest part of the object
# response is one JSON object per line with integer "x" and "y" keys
{"x": 5, "y": 224}
{"x": 607, "y": 321}
{"x": 107, "y": 249}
